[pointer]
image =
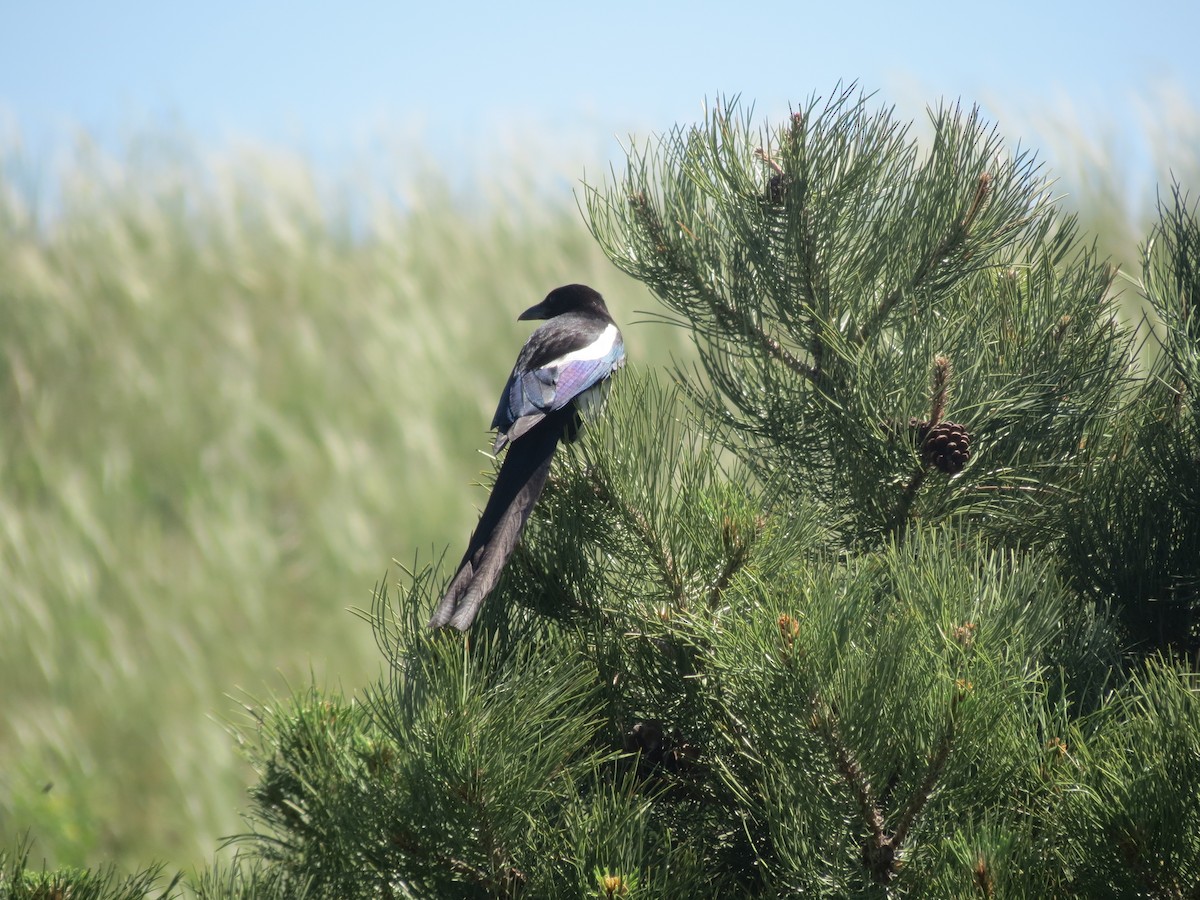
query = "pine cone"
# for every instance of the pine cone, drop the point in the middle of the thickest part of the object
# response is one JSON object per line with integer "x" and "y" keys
{"x": 777, "y": 188}
{"x": 658, "y": 749}
{"x": 646, "y": 737}
{"x": 946, "y": 446}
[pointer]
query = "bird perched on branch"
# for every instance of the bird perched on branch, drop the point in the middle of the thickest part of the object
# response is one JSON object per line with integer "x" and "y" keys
{"x": 561, "y": 379}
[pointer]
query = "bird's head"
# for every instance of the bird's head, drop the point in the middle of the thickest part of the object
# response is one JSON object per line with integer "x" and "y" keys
{"x": 568, "y": 298}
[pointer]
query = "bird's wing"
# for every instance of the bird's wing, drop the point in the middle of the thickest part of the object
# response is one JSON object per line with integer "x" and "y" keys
{"x": 542, "y": 383}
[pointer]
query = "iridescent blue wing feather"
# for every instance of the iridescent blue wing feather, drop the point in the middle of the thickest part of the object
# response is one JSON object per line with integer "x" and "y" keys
{"x": 531, "y": 393}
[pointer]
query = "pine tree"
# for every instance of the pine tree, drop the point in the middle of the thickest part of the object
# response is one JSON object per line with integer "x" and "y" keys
{"x": 892, "y": 594}
{"x": 856, "y": 301}
{"x": 1134, "y": 541}
{"x": 19, "y": 880}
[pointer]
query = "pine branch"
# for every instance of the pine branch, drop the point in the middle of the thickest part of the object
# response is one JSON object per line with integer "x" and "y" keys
{"x": 951, "y": 244}
{"x": 983, "y": 878}
{"x": 405, "y": 840}
{"x": 883, "y": 847}
{"x": 898, "y": 525}
{"x": 737, "y": 549}
{"x": 941, "y": 389}
{"x": 916, "y": 803}
{"x": 815, "y": 283}
{"x": 1133, "y": 856}
{"x": 732, "y": 564}
{"x": 641, "y": 528}
{"x": 942, "y": 371}
{"x": 725, "y": 314}
{"x": 878, "y": 851}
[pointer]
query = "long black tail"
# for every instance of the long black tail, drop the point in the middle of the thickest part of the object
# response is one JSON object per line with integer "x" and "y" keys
{"x": 518, "y": 486}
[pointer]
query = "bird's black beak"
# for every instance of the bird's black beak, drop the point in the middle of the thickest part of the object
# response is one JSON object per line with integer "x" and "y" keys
{"x": 534, "y": 312}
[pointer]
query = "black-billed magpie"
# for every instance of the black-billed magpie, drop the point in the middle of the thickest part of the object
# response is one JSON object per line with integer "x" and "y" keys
{"x": 561, "y": 379}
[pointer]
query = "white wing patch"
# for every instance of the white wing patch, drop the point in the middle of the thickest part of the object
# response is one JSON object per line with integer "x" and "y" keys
{"x": 597, "y": 349}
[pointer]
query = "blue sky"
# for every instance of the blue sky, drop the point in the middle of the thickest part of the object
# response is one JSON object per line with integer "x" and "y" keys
{"x": 329, "y": 78}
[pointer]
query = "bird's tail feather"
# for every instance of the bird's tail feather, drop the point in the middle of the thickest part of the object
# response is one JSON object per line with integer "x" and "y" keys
{"x": 518, "y": 486}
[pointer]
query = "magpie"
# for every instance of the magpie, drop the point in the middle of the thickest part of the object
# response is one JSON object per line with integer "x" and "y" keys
{"x": 560, "y": 380}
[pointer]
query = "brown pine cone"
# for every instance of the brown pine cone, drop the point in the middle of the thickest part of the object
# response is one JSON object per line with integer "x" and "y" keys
{"x": 777, "y": 188}
{"x": 945, "y": 446}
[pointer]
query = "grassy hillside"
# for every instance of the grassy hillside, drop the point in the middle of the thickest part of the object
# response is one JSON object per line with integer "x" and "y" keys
{"x": 228, "y": 399}
{"x": 230, "y": 394}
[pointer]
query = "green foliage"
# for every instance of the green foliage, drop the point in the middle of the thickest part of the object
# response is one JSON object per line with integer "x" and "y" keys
{"x": 783, "y": 648}
{"x": 471, "y": 769}
{"x": 19, "y": 882}
{"x": 1142, "y": 787}
{"x": 765, "y": 635}
{"x": 832, "y": 269}
{"x": 1133, "y": 533}
{"x": 762, "y": 715}
{"x": 246, "y": 879}
{"x": 214, "y": 432}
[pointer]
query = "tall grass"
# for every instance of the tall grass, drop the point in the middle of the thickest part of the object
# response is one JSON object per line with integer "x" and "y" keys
{"x": 229, "y": 396}
{"x": 1112, "y": 162}
{"x": 230, "y": 393}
